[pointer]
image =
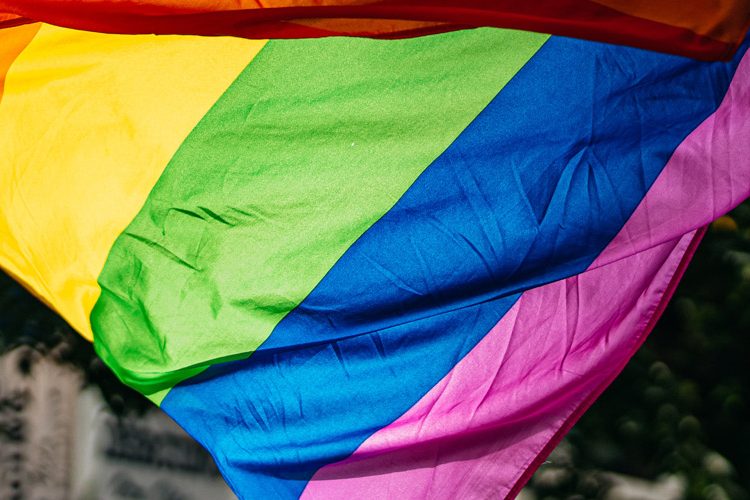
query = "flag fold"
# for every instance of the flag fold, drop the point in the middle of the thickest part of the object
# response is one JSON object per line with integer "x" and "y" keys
{"x": 364, "y": 268}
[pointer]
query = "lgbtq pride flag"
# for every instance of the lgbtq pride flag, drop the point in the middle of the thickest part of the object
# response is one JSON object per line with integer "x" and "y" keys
{"x": 365, "y": 268}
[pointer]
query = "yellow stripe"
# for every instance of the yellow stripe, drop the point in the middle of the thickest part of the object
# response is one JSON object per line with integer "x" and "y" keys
{"x": 87, "y": 124}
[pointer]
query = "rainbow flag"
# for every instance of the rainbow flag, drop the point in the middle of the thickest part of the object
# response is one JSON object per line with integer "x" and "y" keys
{"x": 363, "y": 268}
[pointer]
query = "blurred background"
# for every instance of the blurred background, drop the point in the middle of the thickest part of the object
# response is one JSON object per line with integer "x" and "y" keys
{"x": 674, "y": 425}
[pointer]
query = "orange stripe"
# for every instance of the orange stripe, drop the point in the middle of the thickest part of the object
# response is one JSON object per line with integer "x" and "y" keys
{"x": 723, "y": 20}
{"x": 12, "y": 42}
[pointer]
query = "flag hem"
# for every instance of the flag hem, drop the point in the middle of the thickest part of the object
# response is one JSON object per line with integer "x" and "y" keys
{"x": 571, "y": 420}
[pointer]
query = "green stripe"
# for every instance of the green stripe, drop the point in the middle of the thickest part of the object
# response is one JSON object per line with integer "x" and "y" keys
{"x": 312, "y": 144}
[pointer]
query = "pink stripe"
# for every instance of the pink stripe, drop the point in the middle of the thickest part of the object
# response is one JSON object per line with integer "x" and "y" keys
{"x": 477, "y": 431}
{"x": 481, "y": 430}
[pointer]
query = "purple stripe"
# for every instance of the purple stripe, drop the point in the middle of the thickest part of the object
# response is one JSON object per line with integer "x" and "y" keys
{"x": 480, "y": 431}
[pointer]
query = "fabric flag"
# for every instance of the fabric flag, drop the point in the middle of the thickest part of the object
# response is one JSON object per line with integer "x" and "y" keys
{"x": 360, "y": 268}
{"x": 697, "y": 28}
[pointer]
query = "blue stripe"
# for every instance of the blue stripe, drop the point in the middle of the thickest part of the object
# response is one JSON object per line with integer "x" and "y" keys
{"x": 531, "y": 192}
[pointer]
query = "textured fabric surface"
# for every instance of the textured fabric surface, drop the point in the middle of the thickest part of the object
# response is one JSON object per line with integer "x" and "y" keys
{"x": 357, "y": 268}
{"x": 89, "y": 121}
{"x": 276, "y": 182}
{"x": 560, "y": 343}
{"x": 518, "y": 200}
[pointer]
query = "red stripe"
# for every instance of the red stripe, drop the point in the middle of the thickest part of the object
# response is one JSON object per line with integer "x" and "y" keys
{"x": 11, "y": 21}
{"x": 576, "y": 18}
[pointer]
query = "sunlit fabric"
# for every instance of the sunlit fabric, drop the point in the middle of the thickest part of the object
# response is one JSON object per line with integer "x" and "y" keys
{"x": 361, "y": 268}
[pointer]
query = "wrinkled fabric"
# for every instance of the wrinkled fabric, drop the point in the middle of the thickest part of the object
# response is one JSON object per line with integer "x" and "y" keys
{"x": 549, "y": 240}
{"x": 560, "y": 344}
{"x": 357, "y": 268}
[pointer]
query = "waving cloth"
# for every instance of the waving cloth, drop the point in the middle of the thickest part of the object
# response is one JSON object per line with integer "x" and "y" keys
{"x": 697, "y": 28}
{"x": 357, "y": 268}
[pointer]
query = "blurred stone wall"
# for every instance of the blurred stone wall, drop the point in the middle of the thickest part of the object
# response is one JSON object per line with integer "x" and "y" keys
{"x": 38, "y": 401}
{"x": 59, "y": 442}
